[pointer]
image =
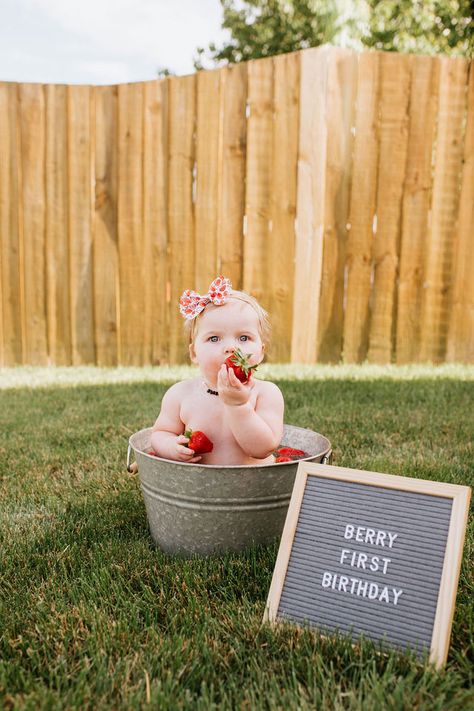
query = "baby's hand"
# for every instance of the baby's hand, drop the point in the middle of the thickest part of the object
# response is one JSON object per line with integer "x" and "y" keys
{"x": 185, "y": 454}
{"x": 231, "y": 390}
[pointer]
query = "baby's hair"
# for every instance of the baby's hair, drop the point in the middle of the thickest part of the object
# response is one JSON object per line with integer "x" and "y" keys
{"x": 190, "y": 325}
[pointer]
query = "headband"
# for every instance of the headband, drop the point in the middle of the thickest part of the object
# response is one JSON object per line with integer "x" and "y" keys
{"x": 191, "y": 303}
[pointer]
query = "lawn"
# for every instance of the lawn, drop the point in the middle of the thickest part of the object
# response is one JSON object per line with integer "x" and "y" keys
{"x": 93, "y": 616}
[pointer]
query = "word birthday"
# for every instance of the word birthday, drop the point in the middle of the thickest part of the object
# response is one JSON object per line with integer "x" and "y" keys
{"x": 365, "y": 561}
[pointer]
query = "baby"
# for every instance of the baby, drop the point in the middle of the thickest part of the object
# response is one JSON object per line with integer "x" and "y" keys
{"x": 244, "y": 421}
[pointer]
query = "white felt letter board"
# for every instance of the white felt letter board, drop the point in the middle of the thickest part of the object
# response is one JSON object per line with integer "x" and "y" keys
{"x": 371, "y": 554}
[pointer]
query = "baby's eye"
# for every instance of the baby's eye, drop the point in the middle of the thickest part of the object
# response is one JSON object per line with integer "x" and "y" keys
{"x": 214, "y": 339}
{"x": 244, "y": 338}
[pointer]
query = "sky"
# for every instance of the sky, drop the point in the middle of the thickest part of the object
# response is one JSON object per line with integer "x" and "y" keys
{"x": 103, "y": 41}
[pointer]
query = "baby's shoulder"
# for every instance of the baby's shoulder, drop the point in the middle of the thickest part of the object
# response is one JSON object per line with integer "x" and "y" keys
{"x": 267, "y": 389}
{"x": 182, "y": 388}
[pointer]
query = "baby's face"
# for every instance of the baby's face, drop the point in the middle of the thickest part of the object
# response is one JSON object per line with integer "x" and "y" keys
{"x": 222, "y": 329}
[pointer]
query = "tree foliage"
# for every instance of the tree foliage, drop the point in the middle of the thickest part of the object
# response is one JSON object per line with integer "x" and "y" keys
{"x": 422, "y": 26}
{"x": 261, "y": 28}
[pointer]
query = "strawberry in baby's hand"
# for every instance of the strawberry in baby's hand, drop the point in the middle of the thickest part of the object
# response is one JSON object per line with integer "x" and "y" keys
{"x": 240, "y": 365}
{"x": 283, "y": 459}
{"x": 198, "y": 442}
{"x": 290, "y": 452}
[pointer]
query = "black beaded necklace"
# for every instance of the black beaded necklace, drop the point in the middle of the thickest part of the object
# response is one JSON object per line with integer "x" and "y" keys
{"x": 210, "y": 391}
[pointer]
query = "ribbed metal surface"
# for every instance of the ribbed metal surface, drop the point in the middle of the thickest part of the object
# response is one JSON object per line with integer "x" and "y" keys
{"x": 416, "y": 558}
{"x": 202, "y": 509}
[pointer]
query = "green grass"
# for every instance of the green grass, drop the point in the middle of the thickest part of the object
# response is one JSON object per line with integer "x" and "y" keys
{"x": 93, "y": 616}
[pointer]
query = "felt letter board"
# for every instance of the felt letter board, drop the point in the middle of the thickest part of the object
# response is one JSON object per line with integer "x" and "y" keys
{"x": 371, "y": 554}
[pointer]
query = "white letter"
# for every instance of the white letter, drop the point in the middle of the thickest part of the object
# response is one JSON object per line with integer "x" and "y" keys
{"x": 396, "y": 595}
{"x": 374, "y": 563}
{"x": 384, "y": 595}
{"x": 386, "y": 561}
{"x": 369, "y": 535}
{"x": 343, "y": 554}
{"x": 362, "y": 560}
{"x": 362, "y": 588}
{"x": 326, "y": 579}
{"x": 373, "y": 591}
{"x": 359, "y": 536}
{"x": 343, "y": 583}
{"x": 349, "y": 532}
{"x": 379, "y": 541}
{"x": 392, "y": 537}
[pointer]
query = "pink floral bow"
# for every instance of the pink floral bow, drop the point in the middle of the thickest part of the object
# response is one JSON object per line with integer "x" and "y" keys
{"x": 191, "y": 303}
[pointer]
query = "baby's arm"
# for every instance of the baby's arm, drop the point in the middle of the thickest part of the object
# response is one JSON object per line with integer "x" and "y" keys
{"x": 166, "y": 438}
{"x": 258, "y": 431}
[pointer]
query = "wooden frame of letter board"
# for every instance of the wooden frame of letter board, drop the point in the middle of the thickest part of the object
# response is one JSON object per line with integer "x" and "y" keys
{"x": 454, "y": 545}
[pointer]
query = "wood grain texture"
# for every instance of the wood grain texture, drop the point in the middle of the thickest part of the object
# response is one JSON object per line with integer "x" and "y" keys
{"x": 105, "y": 228}
{"x": 80, "y": 177}
{"x": 361, "y": 211}
{"x": 58, "y": 307}
{"x": 460, "y": 346}
{"x": 181, "y": 218}
{"x": 310, "y": 203}
{"x": 33, "y": 221}
{"x": 416, "y": 205}
{"x": 438, "y": 261}
{"x": 11, "y": 278}
{"x": 395, "y": 74}
{"x": 342, "y": 88}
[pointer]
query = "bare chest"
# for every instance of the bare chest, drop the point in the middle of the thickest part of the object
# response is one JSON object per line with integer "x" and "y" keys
{"x": 205, "y": 412}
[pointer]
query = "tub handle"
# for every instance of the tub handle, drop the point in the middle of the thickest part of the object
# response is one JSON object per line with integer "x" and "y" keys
{"x": 327, "y": 459}
{"x": 131, "y": 468}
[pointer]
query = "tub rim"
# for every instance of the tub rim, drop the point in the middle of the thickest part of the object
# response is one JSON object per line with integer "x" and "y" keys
{"x": 324, "y": 453}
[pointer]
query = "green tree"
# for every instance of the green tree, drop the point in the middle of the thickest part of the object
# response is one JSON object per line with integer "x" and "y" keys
{"x": 422, "y": 26}
{"x": 261, "y": 28}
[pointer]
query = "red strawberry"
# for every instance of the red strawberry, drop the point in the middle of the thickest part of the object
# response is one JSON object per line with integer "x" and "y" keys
{"x": 240, "y": 365}
{"x": 199, "y": 442}
{"x": 153, "y": 454}
{"x": 290, "y": 452}
{"x": 283, "y": 459}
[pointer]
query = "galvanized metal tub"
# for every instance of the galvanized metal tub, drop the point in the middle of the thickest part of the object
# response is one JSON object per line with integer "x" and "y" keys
{"x": 199, "y": 509}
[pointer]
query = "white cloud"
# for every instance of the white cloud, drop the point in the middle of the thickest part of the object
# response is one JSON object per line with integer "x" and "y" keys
{"x": 83, "y": 39}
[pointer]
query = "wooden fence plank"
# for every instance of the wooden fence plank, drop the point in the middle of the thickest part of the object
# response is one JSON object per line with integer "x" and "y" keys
{"x": 134, "y": 254}
{"x": 57, "y": 247}
{"x": 155, "y": 223}
{"x": 342, "y": 86}
{"x": 393, "y": 134}
{"x": 10, "y": 283}
{"x": 460, "y": 345}
{"x": 80, "y": 171}
{"x": 362, "y": 210}
{"x": 416, "y": 203}
{"x": 444, "y": 209}
{"x": 281, "y": 242}
{"x": 208, "y": 173}
{"x": 105, "y": 227}
{"x": 258, "y": 178}
{"x": 32, "y": 131}
{"x": 181, "y": 255}
{"x": 231, "y": 208}
{"x": 310, "y": 203}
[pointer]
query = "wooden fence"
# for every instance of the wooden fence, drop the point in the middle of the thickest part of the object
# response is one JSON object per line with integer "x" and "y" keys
{"x": 336, "y": 187}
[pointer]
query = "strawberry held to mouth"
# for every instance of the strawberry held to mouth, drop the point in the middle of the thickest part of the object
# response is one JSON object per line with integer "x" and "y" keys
{"x": 240, "y": 365}
{"x": 199, "y": 442}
